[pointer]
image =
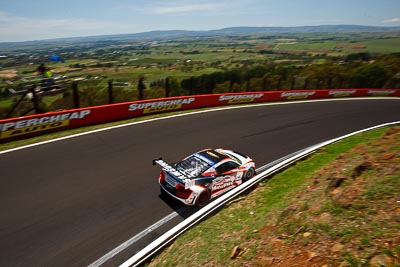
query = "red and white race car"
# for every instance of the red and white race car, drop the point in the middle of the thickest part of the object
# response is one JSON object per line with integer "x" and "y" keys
{"x": 204, "y": 175}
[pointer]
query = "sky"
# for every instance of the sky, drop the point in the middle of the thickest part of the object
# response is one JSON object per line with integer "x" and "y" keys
{"x": 26, "y": 20}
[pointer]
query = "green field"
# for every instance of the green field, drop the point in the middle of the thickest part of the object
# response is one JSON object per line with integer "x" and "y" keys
{"x": 383, "y": 46}
{"x": 216, "y": 63}
{"x": 330, "y": 47}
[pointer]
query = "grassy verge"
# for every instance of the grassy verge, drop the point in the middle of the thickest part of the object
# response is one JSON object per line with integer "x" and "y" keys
{"x": 336, "y": 208}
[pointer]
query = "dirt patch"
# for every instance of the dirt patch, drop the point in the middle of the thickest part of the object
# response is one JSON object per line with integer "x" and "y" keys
{"x": 65, "y": 70}
{"x": 9, "y": 74}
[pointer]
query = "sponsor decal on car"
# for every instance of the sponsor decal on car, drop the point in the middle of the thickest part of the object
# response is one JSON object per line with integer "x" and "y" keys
{"x": 170, "y": 169}
{"x": 242, "y": 98}
{"x": 158, "y": 106}
{"x": 222, "y": 182}
{"x": 21, "y": 127}
{"x": 297, "y": 95}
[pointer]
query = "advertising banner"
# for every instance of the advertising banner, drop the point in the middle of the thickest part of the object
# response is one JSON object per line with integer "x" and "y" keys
{"x": 27, "y": 126}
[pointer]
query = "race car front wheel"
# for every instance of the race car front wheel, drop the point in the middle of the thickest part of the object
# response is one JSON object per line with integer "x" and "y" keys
{"x": 203, "y": 198}
{"x": 249, "y": 174}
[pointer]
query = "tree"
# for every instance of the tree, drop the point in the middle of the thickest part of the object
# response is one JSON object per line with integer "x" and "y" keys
{"x": 174, "y": 88}
{"x": 141, "y": 87}
{"x": 167, "y": 89}
{"x": 369, "y": 76}
{"x": 234, "y": 76}
{"x": 363, "y": 56}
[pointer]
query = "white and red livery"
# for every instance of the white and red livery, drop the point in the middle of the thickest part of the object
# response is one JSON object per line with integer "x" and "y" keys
{"x": 204, "y": 175}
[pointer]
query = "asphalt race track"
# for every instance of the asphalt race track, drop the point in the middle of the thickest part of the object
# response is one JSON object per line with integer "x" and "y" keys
{"x": 68, "y": 203}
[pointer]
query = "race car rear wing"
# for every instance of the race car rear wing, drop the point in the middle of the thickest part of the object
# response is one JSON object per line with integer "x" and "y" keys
{"x": 168, "y": 168}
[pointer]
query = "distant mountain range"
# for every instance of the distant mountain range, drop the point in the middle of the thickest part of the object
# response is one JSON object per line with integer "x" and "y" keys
{"x": 221, "y": 32}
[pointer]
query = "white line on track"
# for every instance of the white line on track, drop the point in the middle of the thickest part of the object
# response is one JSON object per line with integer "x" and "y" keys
{"x": 173, "y": 215}
{"x": 157, "y": 225}
{"x": 152, "y": 248}
{"x": 136, "y": 238}
{"x": 192, "y": 113}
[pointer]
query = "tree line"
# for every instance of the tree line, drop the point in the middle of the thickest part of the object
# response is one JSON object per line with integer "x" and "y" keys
{"x": 356, "y": 71}
{"x": 362, "y": 70}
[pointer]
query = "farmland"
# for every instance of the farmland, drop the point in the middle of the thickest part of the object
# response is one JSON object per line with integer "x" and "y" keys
{"x": 215, "y": 63}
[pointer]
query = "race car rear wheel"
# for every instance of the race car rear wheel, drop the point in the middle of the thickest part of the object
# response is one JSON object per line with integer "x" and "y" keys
{"x": 249, "y": 174}
{"x": 203, "y": 198}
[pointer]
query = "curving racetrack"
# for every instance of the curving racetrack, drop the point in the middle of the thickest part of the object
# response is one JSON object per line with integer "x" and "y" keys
{"x": 67, "y": 203}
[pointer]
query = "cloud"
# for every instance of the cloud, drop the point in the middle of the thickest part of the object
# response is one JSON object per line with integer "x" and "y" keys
{"x": 16, "y": 28}
{"x": 163, "y": 7}
{"x": 185, "y": 8}
{"x": 394, "y": 20}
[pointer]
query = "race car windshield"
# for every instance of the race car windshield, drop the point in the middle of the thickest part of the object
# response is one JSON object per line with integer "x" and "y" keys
{"x": 192, "y": 166}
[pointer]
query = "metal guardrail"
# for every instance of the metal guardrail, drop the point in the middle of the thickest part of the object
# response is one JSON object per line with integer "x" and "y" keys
{"x": 173, "y": 233}
{"x": 33, "y": 87}
{"x": 40, "y": 85}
